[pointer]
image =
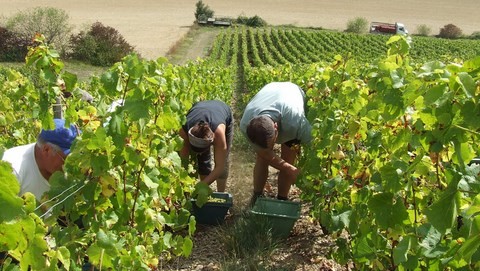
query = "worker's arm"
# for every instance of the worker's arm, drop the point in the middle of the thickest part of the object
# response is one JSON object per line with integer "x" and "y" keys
{"x": 184, "y": 152}
{"x": 277, "y": 162}
{"x": 220, "y": 155}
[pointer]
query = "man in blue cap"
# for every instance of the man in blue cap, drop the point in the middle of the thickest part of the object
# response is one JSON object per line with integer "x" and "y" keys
{"x": 34, "y": 163}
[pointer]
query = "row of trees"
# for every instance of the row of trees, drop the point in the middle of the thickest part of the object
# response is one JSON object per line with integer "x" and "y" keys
{"x": 203, "y": 12}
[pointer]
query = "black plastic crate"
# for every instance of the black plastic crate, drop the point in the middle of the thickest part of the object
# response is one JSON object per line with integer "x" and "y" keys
{"x": 213, "y": 213}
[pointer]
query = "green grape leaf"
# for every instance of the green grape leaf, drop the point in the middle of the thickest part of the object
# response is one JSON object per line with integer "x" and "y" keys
{"x": 148, "y": 182}
{"x": 168, "y": 121}
{"x": 97, "y": 255}
{"x": 70, "y": 80}
{"x": 63, "y": 255}
{"x": 391, "y": 178}
{"x": 178, "y": 246}
{"x": 9, "y": 188}
{"x": 443, "y": 212}
{"x": 97, "y": 140}
{"x": 475, "y": 207}
{"x": 104, "y": 250}
{"x": 134, "y": 66}
{"x": 463, "y": 153}
{"x": 105, "y": 241}
{"x": 111, "y": 82}
{"x": 472, "y": 64}
{"x": 468, "y": 248}
{"x": 136, "y": 109}
{"x": 201, "y": 193}
{"x": 400, "y": 252}
{"x": 431, "y": 67}
{"x": 388, "y": 210}
{"x": 363, "y": 248}
{"x": 433, "y": 94}
{"x": 397, "y": 79}
{"x": 167, "y": 239}
{"x": 471, "y": 114}
{"x": 187, "y": 246}
{"x": 341, "y": 220}
{"x": 10, "y": 239}
{"x": 31, "y": 256}
{"x": 467, "y": 84}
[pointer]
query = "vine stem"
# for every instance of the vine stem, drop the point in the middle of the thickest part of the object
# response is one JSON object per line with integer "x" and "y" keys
{"x": 414, "y": 203}
{"x": 137, "y": 190}
{"x": 101, "y": 258}
{"x": 124, "y": 177}
{"x": 466, "y": 130}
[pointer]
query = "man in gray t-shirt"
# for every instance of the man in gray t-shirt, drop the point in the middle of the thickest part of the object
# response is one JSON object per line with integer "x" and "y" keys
{"x": 276, "y": 115}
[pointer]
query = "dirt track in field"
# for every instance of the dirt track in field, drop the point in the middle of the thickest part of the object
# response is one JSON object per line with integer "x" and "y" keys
{"x": 153, "y": 26}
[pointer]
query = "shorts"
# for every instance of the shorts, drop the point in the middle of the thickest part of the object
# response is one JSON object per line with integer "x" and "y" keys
{"x": 292, "y": 142}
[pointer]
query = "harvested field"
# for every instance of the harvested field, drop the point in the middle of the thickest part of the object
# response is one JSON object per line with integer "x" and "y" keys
{"x": 153, "y": 26}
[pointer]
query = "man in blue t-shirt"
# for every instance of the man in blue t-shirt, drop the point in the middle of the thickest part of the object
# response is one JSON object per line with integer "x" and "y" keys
{"x": 276, "y": 115}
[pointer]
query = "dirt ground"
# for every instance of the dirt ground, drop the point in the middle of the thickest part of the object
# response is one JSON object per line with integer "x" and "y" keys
{"x": 153, "y": 26}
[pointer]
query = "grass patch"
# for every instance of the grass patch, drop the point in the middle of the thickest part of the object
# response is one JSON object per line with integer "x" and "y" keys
{"x": 249, "y": 243}
{"x": 177, "y": 52}
{"x": 83, "y": 70}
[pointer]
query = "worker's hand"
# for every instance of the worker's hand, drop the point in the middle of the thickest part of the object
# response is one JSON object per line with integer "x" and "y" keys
{"x": 293, "y": 172}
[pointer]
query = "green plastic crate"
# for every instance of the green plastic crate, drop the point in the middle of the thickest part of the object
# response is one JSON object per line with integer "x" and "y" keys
{"x": 281, "y": 215}
{"x": 213, "y": 213}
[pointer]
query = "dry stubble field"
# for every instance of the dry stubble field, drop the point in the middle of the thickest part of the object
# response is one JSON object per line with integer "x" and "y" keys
{"x": 153, "y": 26}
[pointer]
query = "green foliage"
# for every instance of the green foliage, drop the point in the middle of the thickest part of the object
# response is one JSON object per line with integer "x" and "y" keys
{"x": 13, "y": 47}
{"x": 267, "y": 48}
{"x": 358, "y": 25}
{"x": 423, "y": 30}
{"x": 254, "y": 21}
{"x": 388, "y": 162}
{"x": 403, "y": 180}
{"x": 450, "y": 31}
{"x": 201, "y": 193}
{"x": 203, "y": 11}
{"x": 100, "y": 45}
{"x": 53, "y": 23}
{"x": 124, "y": 195}
{"x": 22, "y": 231}
{"x": 475, "y": 35}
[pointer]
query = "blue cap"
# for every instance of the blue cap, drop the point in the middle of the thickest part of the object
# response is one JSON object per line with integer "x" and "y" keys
{"x": 60, "y": 136}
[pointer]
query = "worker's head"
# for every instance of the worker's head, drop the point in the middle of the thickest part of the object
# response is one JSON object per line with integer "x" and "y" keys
{"x": 53, "y": 146}
{"x": 200, "y": 137}
{"x": 262, "y": 131}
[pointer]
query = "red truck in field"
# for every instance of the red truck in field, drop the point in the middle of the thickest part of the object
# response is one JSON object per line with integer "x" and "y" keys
{"x": 388, "y": 28}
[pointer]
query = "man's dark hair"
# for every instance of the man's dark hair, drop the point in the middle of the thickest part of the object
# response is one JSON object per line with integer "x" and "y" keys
{"x": 260, "y": 130}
